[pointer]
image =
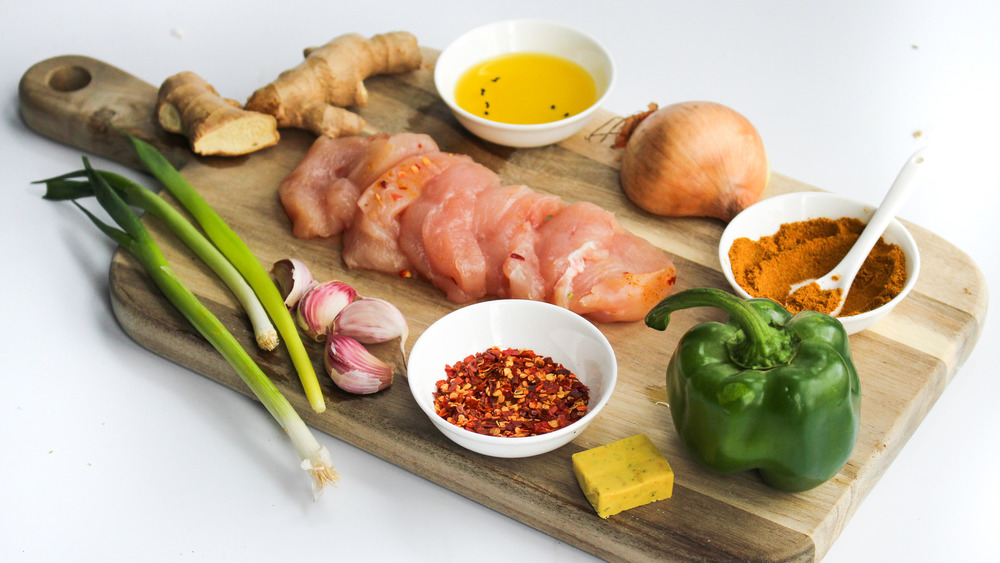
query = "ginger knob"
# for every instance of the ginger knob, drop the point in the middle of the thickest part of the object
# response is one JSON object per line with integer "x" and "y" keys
{"x": 313, "y": 95}
{"x": 188, "y": 105}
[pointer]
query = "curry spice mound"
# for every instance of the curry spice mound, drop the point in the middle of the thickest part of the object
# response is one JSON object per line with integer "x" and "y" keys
{"x": 510, "y": 393}
{"x": 809, "y": 249}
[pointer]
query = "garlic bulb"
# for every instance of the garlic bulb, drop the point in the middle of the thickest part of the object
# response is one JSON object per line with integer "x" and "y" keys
{"x": 293, "y": 279}
{"x": 353, "y": 368}
{"x": 371, "y": 321}
{"x": 320, "y": 305}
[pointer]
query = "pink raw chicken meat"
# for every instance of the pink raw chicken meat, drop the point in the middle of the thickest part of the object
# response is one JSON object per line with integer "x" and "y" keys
{"x": 321, "y": 194}
{"x": 437, "y": 233}
{"x": 404, "y": 206}
{"x": 371, "y": 242}
{"x": 595, "y": 267}
{"x": 506, "y": 223}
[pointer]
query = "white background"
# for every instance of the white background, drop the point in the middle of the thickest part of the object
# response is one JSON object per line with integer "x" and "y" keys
{"x": 111, "y": 453}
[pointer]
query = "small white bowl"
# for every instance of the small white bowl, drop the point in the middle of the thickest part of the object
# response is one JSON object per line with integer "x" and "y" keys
{"x": 517, "y": 36}
{"x": 766, "y": 216}
{"x": 546, "y": 329}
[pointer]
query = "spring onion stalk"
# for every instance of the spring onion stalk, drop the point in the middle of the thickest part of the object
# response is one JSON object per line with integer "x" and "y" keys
{"x": 233, "y": 247}
{"x": 65, "y": 187}
{"x": 138, "y": 241}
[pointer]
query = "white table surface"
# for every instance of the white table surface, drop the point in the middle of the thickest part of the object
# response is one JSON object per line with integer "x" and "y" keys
{"x": 111, "y": 453}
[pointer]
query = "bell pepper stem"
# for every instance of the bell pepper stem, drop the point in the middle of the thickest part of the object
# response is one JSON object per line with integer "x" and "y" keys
{"x": 758, "y": 345}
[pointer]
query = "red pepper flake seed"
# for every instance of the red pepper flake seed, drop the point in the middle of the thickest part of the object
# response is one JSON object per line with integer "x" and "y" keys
{"x": 510, "y": 393}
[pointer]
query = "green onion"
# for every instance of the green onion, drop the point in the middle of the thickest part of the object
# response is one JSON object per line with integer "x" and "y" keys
{"x": 138, "y": 241}
{"x": 64, "y": 187}
{"x": 237, "y": 252}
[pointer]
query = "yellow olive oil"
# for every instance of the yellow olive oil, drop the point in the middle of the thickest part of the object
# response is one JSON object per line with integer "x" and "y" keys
{"x": 526, "y": 89}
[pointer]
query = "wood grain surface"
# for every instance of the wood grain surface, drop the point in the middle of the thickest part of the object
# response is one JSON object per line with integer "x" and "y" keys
{"x": 904, "y": 361}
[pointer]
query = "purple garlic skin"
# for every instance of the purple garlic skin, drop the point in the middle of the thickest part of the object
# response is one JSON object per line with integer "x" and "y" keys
{"x": 353, "y": 368}
{"x": 372, "y": 321}
{"x": 319, "y": 307}
{"x": 293, "y": 279}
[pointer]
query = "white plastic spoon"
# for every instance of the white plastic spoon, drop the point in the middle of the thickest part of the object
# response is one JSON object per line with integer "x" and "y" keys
{"x": 843, "y": 274}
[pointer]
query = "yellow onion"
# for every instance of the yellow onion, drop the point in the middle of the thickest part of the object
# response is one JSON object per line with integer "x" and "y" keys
{"x": 694, "y": 159}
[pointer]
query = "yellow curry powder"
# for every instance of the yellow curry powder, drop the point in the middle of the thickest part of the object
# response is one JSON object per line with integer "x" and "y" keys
{"x": 809, "y": 249}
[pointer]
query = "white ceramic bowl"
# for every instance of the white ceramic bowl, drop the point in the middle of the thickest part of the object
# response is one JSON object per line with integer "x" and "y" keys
{"x": 766, "y": 216}
{"x": 515, "y": 36}
{"x": 547, "y": 329}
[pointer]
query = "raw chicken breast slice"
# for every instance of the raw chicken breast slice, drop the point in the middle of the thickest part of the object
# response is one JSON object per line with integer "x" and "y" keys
{"x": 625, "y": 286}
{"x": 316, "y": 195}
{"x": 372, "y": 240}
{"x": 506, "y": 221}
{"x": 579, "y": 233}
{"x": 320, "y": 195}
{"x": 595, "y": 268}
{"x": 386, "y": 151}
{"x": 436, "y": 231}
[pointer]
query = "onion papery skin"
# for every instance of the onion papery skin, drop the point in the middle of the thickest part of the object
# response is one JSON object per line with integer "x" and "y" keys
{"x": 695, "y": 159}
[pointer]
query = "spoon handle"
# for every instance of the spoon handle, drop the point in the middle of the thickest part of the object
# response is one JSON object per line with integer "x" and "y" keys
{"x": 905, "y": 182}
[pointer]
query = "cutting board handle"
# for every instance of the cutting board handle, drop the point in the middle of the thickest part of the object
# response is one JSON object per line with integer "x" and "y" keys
{"x": 86, "y": 103}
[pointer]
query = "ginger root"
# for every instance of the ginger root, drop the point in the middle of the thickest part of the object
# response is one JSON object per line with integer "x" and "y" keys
{"x": 313, "y": 95}
{"x": 214, "y": 125}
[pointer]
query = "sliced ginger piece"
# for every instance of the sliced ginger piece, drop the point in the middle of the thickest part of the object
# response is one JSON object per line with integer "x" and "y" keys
{"x": 188, "y": 105}
{"x": 313, "y": 95}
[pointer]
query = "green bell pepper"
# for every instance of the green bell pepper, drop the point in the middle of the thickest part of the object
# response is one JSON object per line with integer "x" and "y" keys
{"x": 766, "y": 390}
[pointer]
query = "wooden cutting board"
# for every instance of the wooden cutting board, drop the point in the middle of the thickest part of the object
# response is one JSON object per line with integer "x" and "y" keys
{"x": 905, "y": 361}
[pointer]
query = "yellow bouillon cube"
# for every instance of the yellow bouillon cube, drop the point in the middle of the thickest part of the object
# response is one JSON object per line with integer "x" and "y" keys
{"x": 623, "y": 475}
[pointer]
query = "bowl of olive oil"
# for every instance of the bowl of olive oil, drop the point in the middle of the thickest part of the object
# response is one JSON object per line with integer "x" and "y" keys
{"x": 524, "y": 83}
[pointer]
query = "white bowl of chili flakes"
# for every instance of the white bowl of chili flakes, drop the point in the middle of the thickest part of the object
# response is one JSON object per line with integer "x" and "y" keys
{"x": 512, "y": 328}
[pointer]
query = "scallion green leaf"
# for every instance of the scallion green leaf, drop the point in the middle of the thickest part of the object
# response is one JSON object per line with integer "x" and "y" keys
{"x": 136, "y": 239}
{"x": 233, "y": 247}
{"x": 66, "y": 187}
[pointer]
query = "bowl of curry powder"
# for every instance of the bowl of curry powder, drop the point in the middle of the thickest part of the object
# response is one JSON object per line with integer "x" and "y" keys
{"x": 787, "y": 239}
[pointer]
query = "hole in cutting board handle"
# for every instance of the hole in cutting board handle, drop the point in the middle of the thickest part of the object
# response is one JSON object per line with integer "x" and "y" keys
{"x": 69, "y": 78}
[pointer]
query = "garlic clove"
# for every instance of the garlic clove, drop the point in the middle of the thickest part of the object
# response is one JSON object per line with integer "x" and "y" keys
{"x": 371, "y": 320}
{"x": 293, "y": 279}
{"x": 320, "y": 305}
{"x": 353, "y": 368}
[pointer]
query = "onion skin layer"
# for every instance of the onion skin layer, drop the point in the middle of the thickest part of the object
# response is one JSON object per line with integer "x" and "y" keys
{"x": 699, "y": 159}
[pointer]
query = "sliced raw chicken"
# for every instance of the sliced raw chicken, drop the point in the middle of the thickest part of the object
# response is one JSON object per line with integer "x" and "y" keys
{"x": 372, "y": 242}
{"x": 594, "y": 267}
{"x": 387, "y": 151}
{"x": 507, "y": 219}
{"x": 321, "y": 194}
{"x": 436, "y": 231}
{"x": 406, "y": 207}
{"x": 317, "y": 196}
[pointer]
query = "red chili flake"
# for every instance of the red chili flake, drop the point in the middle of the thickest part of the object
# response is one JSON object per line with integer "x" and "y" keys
{"x": 404, "y": 273}
{"x": 396, "y": 197}
{"x": 510, "y": 393}
{"x": 517, "y": 256}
